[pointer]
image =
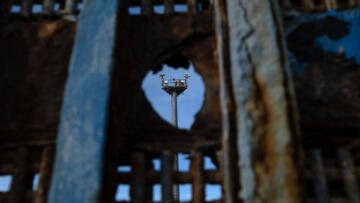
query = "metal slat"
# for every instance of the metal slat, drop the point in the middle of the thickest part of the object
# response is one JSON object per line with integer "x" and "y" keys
{"x": 70, "y": 6}
{"x": 146, "y": 7}
{"x": 169, "y": 6}
{"x": 331, "y": 4}
{"x": 192, "y": 6}
{"x": 166, "y": 177}
{"x": 45, "y": 173}
{"x": 138, "y": 182}
{"x": 197, "y": 164}
{"x": 308, "y": 4}
{"x": 319, "y": 178}
{"x": 48, "y": 7}
{"x": 21, "y": 178}
{"x": 26, "y": 8}
{"x": 348, "y": 170}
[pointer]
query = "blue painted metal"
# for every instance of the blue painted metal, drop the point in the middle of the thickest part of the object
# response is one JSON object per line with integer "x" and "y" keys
{"x": 82, "y": 133}
{"x": 350, "y": 43}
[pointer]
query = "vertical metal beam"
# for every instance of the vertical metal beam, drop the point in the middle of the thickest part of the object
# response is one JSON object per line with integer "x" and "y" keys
{"x": 230, "y": 170}
{"x": 5, "y": 7}
{"x": 146, "y": 7}
{"x": 309, "y": 4}
{"x": 48, "y": 7}
{"x": 20, "y": 182}
{"x": 70, "y": 6}
{"x": 192, "y": 6}
{"x": 26, "y": 8}
{"x": 268, "y": 135}
{"x": 169, "y": 6}
{"x": 331, "y": 4}
{"x": 350, "y": 179}
{"x": 81, "y": 138}
{"x": 166, "y": 177}
{"x": 197, "y": 165}
{"x": 138, "y": 183}
{"x": 46, "y": 168}
{"x": 319, "y": 178}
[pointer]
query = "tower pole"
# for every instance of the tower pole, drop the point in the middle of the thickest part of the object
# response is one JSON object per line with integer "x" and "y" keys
{"x": 174, "y": 109}
{"x": 174, "y": 120}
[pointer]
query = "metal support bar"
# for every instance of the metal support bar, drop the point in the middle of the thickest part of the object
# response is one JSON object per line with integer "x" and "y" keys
{"x": 146, "y": 7}
{"x": 331, "y": 4}
{"x": 138, "y": 184}
{"x": 309, "y": 4}
{"x": 48, "y": 7}
{"x": 197, "y": 164}
{"x": 166, "y": 177}
{"x": 192, "y": 6}
{"x": 350, "y": 179}
{"x": 229, "y": 157}
{"x": 319, "y": 178}
{"x": 169, "y": 6}
{"x": 20, "y": 181}
{"x": 26, "y": 8}
{"x": 46, "y": 167}
{"x": 70, "y": 6}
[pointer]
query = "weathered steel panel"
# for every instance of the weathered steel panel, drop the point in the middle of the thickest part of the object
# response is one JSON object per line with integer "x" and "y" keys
{"x": 312, "y": 36}
{"x": 229, "y": 151}
{"x": 323, "y": 51}
{"x": 82, "y": 132}
{"x": 267, "y": 124}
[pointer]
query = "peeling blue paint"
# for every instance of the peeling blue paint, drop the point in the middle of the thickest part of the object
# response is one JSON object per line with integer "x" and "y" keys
{"x": 78, "y": 168}
{"x": 350, "y": 44}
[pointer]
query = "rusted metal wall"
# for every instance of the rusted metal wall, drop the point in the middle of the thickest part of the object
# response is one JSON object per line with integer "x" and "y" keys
{"x": 266, "y": 115}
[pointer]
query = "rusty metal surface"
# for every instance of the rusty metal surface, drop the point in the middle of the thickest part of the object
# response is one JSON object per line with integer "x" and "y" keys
{"x": 268, "y": 130}
{"x": 32, "y": 78}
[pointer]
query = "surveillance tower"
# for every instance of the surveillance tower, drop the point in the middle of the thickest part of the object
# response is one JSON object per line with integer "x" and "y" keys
{"x": 174, "y": 87}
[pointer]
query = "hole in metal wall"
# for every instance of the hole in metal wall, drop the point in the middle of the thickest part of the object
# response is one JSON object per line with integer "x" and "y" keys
{"x": 134, "y": 10}
{"x": 37, "y": 8}
{"x": 124, "y": 169}
{"x": 35, "y": 182}
{"x": 56, "y": 6}
{"x": 180, "y": 8}
{"x": 159, "y": 9}
{"x": 189, "y": 102}
{"x": 36, "y": 179}
{"x": 156, "y": 164}
{"x": 185, "y": 192}
{"x": 156, "y": 189}
{"x": 123, "y": 193}
{"x": 213, "y": 192}
{"x": 183, "y": 162}
{"x": 15, "y": 9}
{"x": 209, "y": 164}
{"x": 5, "y": 183}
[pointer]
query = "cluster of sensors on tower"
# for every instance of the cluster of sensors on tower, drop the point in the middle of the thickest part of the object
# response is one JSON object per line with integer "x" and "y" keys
{"x": 174, "y": 85}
